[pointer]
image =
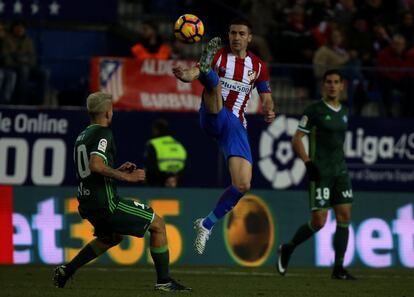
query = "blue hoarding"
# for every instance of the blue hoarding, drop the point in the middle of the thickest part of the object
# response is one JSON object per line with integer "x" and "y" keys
{"x": 36, "y": 149}
{"x": 73, "y": 10}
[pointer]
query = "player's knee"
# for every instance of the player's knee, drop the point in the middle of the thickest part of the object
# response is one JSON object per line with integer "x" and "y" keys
{"x": 242, "y": 187}
{"x": 343, "y": 215}
{"x": 318, "y": 220}
{"x": 317, "y": 224}
{"x": 158, "y": 225}
{"x": 343, "y": 218}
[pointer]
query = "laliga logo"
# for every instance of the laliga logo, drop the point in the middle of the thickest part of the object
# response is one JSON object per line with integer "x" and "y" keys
{"x": 278, "y": 163}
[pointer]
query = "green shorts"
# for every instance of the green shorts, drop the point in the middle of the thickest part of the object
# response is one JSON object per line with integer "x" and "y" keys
{"x": 330, "y": 191}
{"x": 129, "y": 218}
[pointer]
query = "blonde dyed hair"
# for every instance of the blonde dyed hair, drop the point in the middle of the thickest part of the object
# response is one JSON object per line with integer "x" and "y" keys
{"x": 98, "y": 102}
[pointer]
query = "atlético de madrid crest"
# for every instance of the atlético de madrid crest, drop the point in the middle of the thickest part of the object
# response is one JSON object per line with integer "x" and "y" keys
{"x": 252, "y": 75}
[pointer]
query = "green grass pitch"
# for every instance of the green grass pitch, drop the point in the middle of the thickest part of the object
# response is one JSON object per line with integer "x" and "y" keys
{"x": 211, "y": 281}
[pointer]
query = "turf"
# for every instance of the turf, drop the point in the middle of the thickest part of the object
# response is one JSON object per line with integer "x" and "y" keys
{"x": 207, "y": 281}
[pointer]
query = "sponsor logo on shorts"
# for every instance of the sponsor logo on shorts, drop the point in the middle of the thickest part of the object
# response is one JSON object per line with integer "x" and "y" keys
{"x": 347, "y": 194}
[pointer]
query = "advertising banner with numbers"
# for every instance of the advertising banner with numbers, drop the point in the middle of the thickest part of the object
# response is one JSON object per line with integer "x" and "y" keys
{"x": 42, "y": 225}
{"x": 36, "y": 148}
{"x": 36, "y": 144}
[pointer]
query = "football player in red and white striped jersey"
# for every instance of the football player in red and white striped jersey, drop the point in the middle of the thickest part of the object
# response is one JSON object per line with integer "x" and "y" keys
{"x": 229, "y": 74}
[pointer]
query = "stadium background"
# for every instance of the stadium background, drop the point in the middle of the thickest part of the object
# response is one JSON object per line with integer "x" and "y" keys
{"x": 84, "y": 48}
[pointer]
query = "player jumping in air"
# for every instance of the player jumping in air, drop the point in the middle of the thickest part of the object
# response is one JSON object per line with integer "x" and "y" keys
{"x": 330, "y": 186}
{"x": 99, "y": 203}
{"x": 229, "y": 75}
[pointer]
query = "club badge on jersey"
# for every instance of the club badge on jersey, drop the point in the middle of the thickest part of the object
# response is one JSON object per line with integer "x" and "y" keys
{"x": 102, "y": 145}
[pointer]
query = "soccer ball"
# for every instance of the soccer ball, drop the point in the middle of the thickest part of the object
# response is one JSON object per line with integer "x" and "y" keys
{"x": 188, "y": 28}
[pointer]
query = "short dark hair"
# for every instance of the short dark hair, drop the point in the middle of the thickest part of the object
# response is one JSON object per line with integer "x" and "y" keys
{"x": 161, "y": 127}
{"x": 242, "y": 21}
{"x": 151, "y": 23}
{"x": 333, "y": 71}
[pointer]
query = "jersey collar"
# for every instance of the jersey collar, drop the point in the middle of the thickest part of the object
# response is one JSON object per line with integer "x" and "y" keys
{"x": 91, "y": 125}
{"x": 331, "y": 107}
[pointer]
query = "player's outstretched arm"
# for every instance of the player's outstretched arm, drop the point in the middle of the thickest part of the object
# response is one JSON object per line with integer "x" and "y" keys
{"x": 97, "y": 165}
{"x": 186, "y": 74}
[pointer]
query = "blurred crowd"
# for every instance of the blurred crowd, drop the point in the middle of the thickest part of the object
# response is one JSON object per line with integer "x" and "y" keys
{"x": 22, "y": 81}
{"x": 372, "y": 41}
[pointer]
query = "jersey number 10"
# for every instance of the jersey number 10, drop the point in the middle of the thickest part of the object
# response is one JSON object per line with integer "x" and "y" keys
{"x": 82, "y": 161}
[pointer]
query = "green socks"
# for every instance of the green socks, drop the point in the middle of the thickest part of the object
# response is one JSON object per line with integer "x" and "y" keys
{"x": 87, "y": 254}
{"x": 340, "y": 242}
{"x": 302, "y": 234}
{"x": 161, "y": 257}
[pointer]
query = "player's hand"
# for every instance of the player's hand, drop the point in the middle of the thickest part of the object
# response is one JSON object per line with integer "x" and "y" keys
{"x": 313, "y": 171}
{"x": 127, "y": 166}
{"x": 183, "y": 74}
{"x": 269, "y": 116}
{"x": 137, "y": 175}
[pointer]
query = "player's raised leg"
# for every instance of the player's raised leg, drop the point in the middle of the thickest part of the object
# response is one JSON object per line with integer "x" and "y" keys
{"x": 212, "y": 98}
{"x": 161, "y": 257}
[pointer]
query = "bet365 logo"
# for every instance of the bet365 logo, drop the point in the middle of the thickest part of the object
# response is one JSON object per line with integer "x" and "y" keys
{"x": 278, "y": 163}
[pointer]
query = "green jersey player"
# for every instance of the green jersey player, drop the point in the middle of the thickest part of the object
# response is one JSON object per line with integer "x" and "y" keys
{"x": 325, "y": 122}
{"x": 99, "y": 203}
